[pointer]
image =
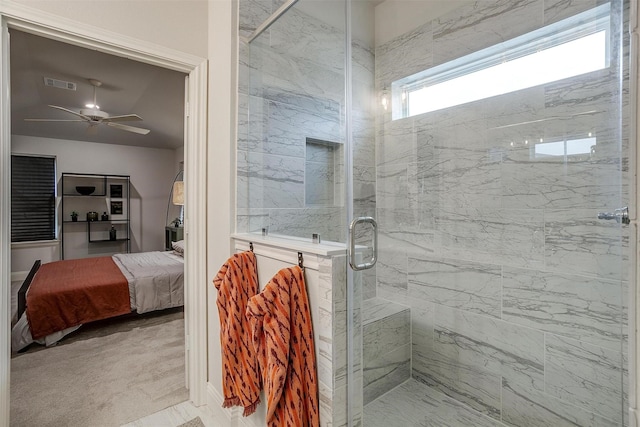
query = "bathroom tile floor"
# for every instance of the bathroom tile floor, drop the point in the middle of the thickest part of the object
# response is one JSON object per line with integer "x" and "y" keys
{"x": 175, "y": 416}
{"x": 413, "y": 404}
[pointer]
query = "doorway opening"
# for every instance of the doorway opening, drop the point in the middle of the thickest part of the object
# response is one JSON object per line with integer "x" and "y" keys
{"x": 195, "y": 162}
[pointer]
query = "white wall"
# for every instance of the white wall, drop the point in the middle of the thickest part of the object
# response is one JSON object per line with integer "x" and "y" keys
{"x": 177, "y": 24}
{"x": 151, "y": 169}
{"x": 221, "y": 169}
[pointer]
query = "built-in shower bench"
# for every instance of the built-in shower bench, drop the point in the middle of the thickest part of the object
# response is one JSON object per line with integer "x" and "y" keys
{"x": 386, "y": 345}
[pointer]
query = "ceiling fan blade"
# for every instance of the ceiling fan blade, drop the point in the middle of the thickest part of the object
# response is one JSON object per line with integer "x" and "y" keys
{"x": 123, "y": 118}
{"x": 54, "y": 120}
{"x": 128, "y": 128}
{"x": 75, "y": 113}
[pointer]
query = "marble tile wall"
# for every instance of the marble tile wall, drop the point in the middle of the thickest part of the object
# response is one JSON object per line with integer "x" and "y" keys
{"x": 319, "y": 176}
{"x": 386, "y": 347}
{"x": 516, "y": 289}
{"x": 327, "y": 365}
{"x": 292, "y": 88}
{"x": 342, "y": 397}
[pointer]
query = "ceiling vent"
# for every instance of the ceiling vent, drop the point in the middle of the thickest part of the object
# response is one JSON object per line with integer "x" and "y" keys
{"x": 60, "y": 84}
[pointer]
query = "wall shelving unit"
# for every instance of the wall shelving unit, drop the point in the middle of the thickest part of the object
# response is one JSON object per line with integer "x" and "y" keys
{"x": 111, "y": 197}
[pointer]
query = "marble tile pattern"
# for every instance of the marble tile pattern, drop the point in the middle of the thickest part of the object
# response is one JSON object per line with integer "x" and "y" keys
{"x": 291, "y": 87}
{"x": 414, "y": 404}
{"x": 385, "y": 372}
{"x": 176, "y": 415}
{"x": 584, "y": 308}
{"x": 468, "y": 286}
{"x": 329, "y": 279}
{"x": 303, "y": 222}
{"x": 320, "y": 169}
{"x": 556, "y": 10}
{"x": 585, "y": 375}
{"x": 319, "y": 181}
{"x": 479, "y": 25}
{"x": 252, "y": 13}
{"x": 537, "y": 409}
{"x": 471, "y": 353}
{"x": 516, "y": 289}
{"x": 341, "y": 394}
{"x": 386, "y": 346}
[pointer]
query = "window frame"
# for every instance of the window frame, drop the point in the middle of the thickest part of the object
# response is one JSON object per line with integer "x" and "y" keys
{"x": 571, "y": 29}
{"x": 52, "y": 233}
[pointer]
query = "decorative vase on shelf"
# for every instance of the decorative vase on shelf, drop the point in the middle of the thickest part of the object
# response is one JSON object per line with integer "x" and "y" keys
{"x": 112, "y": 233}
{"x": 105, "y": 217}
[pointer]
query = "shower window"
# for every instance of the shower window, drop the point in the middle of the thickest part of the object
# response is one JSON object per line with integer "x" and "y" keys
{"x": 576, "y": 149}
{"x": 568, "y": 48}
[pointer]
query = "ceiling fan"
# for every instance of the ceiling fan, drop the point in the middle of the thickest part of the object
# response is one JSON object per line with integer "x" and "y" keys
{"x": 94, "y": 116}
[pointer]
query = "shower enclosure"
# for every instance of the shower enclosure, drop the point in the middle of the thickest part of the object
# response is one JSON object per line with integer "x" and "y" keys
{"x": 489, "y": 140}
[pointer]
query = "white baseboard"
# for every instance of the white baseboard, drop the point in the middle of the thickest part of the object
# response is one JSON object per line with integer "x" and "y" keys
{"x": 19, "y": 276}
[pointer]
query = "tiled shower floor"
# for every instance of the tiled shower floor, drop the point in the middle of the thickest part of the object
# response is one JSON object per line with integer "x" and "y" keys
{"x": 413, "y": 404}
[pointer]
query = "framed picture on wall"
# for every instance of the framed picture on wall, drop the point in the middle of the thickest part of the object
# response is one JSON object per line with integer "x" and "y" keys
{"x": 116, "y": 190}
{"x": 116, "y": 208}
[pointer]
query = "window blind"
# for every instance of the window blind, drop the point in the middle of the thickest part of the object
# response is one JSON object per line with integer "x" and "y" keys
{"x": 33, "y": 198}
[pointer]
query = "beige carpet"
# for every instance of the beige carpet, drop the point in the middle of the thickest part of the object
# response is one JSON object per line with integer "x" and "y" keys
{"x": 106, "y": 374}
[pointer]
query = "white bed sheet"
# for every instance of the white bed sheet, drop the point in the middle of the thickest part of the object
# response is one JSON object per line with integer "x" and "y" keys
{"x": 155, "y": 279}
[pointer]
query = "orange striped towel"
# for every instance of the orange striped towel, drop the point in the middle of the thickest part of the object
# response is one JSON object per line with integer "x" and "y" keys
{"x": 236, "y": 282}
{"x": 283, "y": 337}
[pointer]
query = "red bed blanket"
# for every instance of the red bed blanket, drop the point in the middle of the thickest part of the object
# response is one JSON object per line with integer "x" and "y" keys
{"x": 72, "y": 292}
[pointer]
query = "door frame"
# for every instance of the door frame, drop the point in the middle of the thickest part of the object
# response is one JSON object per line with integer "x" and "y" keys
{"x": 39, "y": 23}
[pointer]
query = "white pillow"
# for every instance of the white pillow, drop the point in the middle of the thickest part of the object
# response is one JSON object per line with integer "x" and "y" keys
{"x": 178, "y": 247}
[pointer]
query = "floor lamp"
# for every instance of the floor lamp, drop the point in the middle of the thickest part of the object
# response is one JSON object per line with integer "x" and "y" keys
{"x": 176, "y": 197}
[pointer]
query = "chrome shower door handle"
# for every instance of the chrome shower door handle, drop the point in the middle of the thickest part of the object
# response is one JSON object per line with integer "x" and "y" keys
{"x": 620, "y": 215}
{"x": 352, "y": 243}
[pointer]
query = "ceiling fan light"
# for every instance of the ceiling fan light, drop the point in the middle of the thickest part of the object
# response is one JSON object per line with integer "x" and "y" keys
{"x": 93, "y": 106}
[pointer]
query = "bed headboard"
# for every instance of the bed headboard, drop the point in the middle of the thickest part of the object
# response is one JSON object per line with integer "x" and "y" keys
{"x": 22, "y": 292}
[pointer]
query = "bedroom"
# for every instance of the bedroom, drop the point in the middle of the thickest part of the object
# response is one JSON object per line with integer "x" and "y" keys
{"x": 152, "y": 161}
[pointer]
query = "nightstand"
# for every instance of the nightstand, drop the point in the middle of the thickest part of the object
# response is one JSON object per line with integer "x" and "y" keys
{"x": 172, "y": 234}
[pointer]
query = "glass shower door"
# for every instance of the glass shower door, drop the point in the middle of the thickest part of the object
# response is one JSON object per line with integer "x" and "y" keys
{"x": 489, "y": 142}
{"x": 291, "y": 161}
{"x": 291, "y": 133}
{"x": 491, "y": 148}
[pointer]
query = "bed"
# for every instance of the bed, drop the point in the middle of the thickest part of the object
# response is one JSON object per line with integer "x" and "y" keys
{"x": 57, "y": 298}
